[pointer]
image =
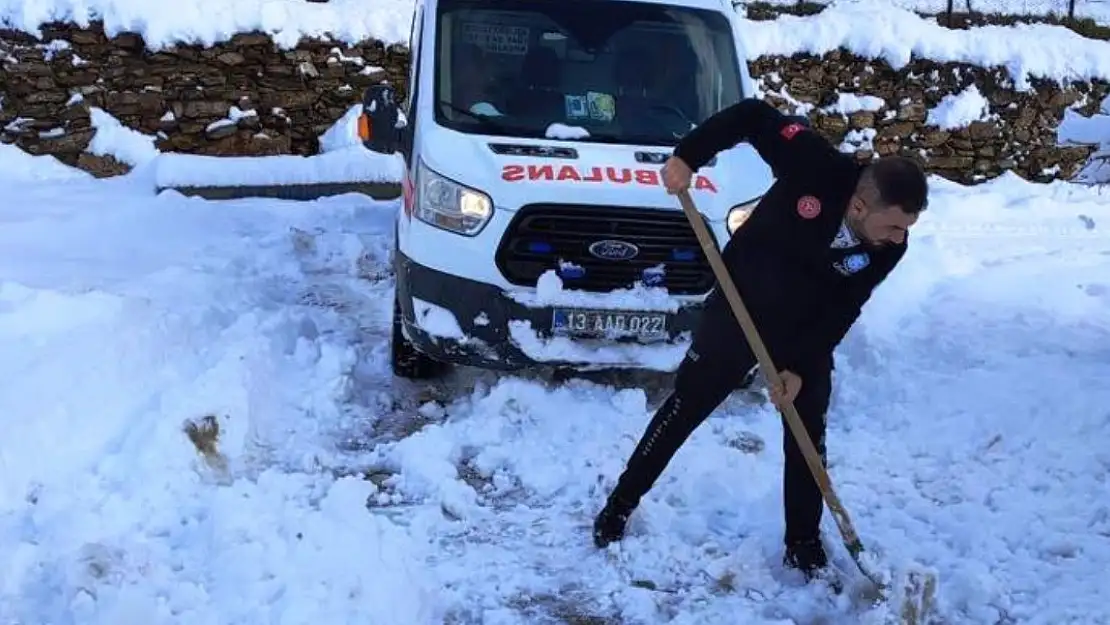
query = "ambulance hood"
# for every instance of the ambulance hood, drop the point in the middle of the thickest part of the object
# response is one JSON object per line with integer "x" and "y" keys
{"x": 517, "y": 171}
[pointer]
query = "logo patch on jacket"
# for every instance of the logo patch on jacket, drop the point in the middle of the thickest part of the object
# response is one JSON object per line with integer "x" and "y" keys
{"x": 788, "y": 132}
{"x": 852, "y": 263}
{"x": 809, "y": 207}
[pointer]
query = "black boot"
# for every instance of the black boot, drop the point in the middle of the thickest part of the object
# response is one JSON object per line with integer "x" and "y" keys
{"x": 610, "y": 522}
{"x": 806, "y": 555}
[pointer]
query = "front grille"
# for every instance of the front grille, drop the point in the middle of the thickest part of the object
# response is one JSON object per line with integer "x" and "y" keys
{"x": 543, "y": 237}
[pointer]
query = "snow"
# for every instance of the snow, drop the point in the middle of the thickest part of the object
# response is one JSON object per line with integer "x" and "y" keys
{"x": 436, "y": 320}
{"x": 19, "y": 166}
{"x": 895, "y": 34}
{"x": 208, "y": 22}
{"x": 344, "y": 132}
{"x": 342, "y": 160}
{"x": 848, "y": 103}
{"x": 1098, "y": 10}
{"x": 959, "y": 110}
{"x": 234, "y": 114}
{"x": 350, "y": 164}
{"x": 966, "y": 429}
{"x": 862, "y": 139}
{"x": 114, "y": 139}
{"x": 551, "y": 291}
{"x": 563, "y": 131}
{"x": 124, "y": 314}
{"x": 658, "y": 357}
{"x": 1093, "y": 130}
{"x": 963, "y": 434}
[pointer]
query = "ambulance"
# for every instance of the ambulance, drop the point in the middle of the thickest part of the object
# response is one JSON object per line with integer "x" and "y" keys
{"x": 533, "y": 228}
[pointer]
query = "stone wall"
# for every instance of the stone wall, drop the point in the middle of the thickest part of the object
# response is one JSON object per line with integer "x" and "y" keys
{"x": 247, "y": 96}
{"x": 1018, "y": 132}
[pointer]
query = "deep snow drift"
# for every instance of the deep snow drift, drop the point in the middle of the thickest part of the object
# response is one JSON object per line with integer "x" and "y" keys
{"x": 966, "y": 432}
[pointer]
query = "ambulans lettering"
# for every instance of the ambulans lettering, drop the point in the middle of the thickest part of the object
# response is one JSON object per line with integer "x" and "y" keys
{"x": 570, "y": 173}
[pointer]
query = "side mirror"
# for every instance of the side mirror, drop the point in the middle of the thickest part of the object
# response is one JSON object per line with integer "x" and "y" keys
{"x": 378, "y": 126}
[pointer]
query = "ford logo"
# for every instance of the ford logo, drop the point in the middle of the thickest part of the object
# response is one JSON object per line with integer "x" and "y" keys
{"x": 614, "y": 250}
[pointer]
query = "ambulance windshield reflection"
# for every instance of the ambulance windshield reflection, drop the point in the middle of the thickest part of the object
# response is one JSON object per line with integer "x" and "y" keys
{"x": 615, "y": 72}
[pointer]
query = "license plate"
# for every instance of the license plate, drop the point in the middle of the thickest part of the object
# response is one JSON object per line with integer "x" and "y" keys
{"x": 608, "y": 323}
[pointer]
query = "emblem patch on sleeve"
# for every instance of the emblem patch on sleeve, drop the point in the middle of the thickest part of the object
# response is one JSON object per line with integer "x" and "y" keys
{"x": 788, "y": 132}
{"x": 853, "y": 263}
{"x": 809, "y": 207}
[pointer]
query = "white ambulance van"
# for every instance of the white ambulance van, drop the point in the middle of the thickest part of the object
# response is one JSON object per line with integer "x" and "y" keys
{"x": 534, "y": 228}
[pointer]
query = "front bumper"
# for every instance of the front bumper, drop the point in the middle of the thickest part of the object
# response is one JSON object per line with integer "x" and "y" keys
{"x": 470, "y": 323}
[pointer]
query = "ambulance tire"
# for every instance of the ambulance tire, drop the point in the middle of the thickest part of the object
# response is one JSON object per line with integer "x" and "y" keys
{"x": 405, "y": 360}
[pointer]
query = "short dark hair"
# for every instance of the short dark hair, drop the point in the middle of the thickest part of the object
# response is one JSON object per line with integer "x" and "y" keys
{"x": 895, "y": 181}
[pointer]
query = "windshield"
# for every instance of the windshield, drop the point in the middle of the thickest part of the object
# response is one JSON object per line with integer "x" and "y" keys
{"x": 621, "y": 72}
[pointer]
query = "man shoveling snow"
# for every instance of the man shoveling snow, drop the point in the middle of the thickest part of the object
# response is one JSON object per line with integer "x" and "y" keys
{"x": 807, "y": 259}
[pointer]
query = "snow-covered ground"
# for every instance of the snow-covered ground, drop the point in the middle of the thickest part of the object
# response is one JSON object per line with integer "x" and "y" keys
{"x": 967, "y": 433}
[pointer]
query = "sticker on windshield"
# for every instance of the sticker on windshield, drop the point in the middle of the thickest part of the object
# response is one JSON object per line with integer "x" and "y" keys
{"x": 496, "y": 38}
{"x": 577, "y": 107}
{"x": 602, "y": 106}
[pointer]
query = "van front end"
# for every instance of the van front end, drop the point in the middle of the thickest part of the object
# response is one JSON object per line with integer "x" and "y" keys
{"x": 559, "y": 281}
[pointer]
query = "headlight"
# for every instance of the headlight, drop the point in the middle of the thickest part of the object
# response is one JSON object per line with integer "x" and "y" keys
{"x": 447, "y": 204}
{"x": 737, "y": 215}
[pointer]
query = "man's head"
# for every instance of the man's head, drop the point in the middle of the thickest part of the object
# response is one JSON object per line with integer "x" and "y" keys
{"x": 889, "y": 196}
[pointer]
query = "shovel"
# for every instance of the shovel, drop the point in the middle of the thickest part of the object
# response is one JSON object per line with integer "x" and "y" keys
{"x": 918, "y": 589}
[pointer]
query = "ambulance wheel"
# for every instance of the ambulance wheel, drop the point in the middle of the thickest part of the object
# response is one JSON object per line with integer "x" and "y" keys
{"x": 405, "y": 360}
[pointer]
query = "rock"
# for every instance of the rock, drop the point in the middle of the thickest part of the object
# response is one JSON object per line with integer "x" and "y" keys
{"x": 913, "y": 111}
{"x": 231, "y": 58}
{"x": 900, "y": 130}
{"x": 951, "y": 162}
{"x": 862, "y": 119}
{"x": 101, "y": 166}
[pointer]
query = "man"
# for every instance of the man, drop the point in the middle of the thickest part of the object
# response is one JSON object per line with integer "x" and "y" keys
{"x": 807, "y": 259}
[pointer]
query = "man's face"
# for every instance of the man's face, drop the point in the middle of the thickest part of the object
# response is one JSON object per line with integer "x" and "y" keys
{"x": 878, "y": 227}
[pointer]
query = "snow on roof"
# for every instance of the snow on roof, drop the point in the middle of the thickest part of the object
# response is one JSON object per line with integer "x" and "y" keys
{"x": 879, "y": 30}
{"x": 209, "y": 22}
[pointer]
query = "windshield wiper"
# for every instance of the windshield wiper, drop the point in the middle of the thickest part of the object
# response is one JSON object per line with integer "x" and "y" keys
{"x": 485, "y": 120}
{"x": 655, "y": 141}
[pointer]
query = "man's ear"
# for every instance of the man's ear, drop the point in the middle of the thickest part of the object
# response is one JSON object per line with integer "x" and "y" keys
{"x": 855, "y": 207}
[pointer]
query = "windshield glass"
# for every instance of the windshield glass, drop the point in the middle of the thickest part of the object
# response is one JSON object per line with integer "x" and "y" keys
{"x": 623, "y": 72}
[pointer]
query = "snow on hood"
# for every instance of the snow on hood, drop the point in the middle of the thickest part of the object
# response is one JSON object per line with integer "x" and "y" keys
{"x": 601, "y": 173}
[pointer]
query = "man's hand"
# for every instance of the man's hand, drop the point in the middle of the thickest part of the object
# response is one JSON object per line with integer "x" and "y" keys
{"x": 788, "y": 391}
{"x": 676, "y": 175}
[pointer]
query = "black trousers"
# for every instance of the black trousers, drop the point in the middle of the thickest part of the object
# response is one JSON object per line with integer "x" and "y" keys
{"x": 717, "y": 364}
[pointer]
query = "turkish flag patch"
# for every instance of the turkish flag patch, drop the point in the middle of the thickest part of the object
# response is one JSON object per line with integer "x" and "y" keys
{"x": 788, "y": 132}
{"x": 809, "y": 207}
